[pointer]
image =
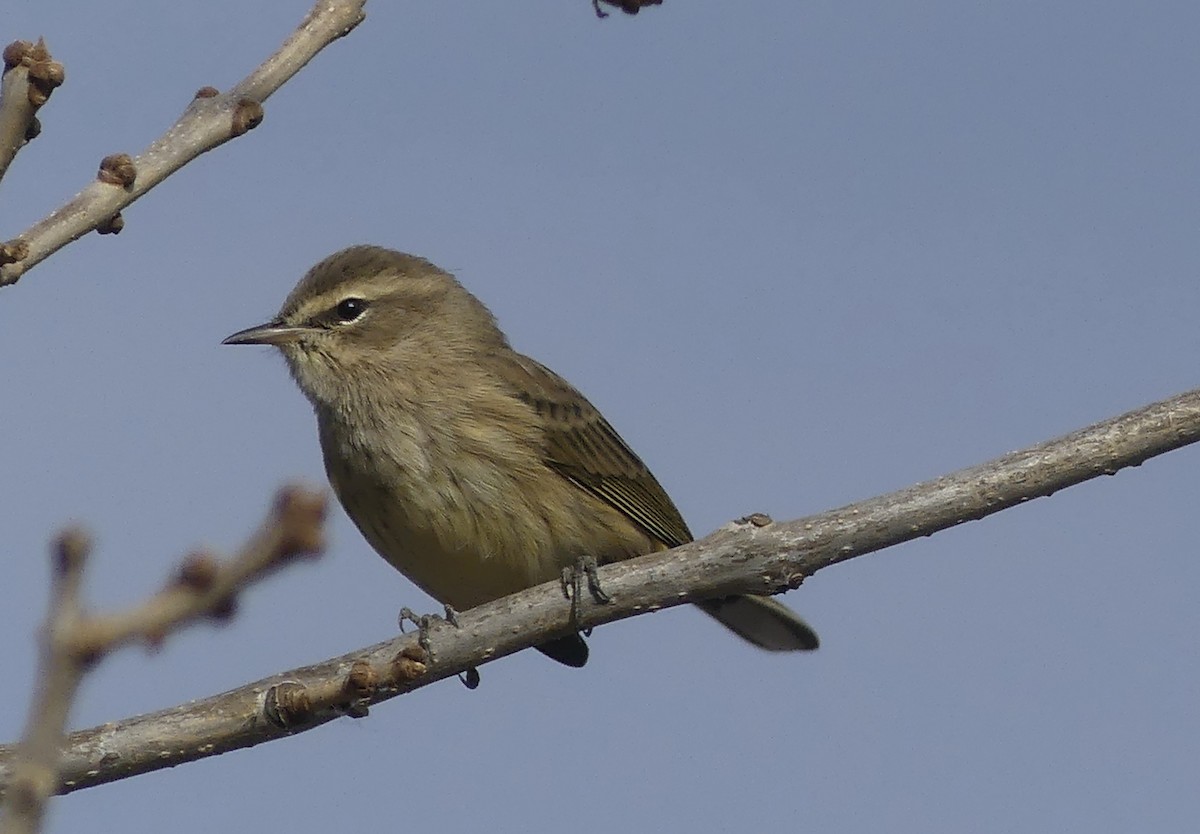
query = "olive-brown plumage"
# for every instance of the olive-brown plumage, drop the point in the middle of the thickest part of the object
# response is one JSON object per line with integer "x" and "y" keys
{"x": 474, "y": 470}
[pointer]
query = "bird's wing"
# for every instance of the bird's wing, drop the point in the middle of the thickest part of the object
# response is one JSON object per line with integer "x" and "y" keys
{"x": 587, "y": 451}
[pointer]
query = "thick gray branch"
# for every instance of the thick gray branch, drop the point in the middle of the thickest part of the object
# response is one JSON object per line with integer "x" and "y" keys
{"x": 209, "y": 121}
{"x": 754, "y": 555}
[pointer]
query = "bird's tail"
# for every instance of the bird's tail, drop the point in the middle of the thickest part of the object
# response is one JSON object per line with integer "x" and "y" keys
{"x": 762, "y": 621}
{"x": 569, "y": 650}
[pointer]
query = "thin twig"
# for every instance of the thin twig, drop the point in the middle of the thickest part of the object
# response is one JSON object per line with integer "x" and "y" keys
{"x": 74, "y": 640}
{"x": 30, "y": 76}
{"x": 210, "y": 120}
{"x": 35, "y": 772}
{"x": 752, "y": 556}
{"x": 205, "y": 586}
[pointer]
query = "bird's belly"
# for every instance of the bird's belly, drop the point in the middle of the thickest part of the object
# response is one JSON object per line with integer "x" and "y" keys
{"x": 459, "y": 576}
{"x": 469, "y": 529}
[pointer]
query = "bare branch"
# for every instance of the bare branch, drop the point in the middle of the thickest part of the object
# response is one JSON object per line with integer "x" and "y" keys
{"x": 209, "y": 121}
{"x": 207, "y": 587}
{"x": 30, "y": 76}
{"x": 751, "y": 556}
{"x": 75, "y": 640}
{"x": 35, "y": 772}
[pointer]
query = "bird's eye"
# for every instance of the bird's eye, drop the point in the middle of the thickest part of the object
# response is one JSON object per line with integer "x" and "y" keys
{"x": 349, "y": 309}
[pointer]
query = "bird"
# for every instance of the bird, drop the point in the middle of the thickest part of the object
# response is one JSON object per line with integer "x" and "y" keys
{"x": 473, "y": 469}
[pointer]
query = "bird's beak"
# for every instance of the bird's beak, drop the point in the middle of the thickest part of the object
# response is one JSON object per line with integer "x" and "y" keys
{"x": 272, "y": 333}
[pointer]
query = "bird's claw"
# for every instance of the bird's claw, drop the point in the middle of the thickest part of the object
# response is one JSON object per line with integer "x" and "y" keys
{"x": 593, "y": 580}
{"x": 572, "y": 584}
{"x": 425, "y": 623}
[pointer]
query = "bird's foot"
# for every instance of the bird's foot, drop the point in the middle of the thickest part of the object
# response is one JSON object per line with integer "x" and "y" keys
{"x": 424, "y": 624}
{"x": 572, "y": 584}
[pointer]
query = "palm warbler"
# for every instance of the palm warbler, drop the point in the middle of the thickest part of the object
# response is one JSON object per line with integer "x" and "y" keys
{"x": 472, "y": 469}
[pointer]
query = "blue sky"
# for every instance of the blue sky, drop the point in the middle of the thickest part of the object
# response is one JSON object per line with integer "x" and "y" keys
{"x": 799, "y": 253}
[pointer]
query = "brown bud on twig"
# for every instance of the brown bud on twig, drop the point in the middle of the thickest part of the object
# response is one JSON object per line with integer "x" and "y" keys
{"x": 224, "y": 610}
{"x": 410, "y": 664}
{"x": 756, "y": 520}
{"x": 118, "y": 169}
{"x": 50, "y": 74}
{"x": 44, "y": 73}
{"x": 361, "y": 681}
{"x": 154, "y": 638}
{"x": 198, "y": 572}
{"x": 112, "y": 226}
{"x": 15, "y": 53}
{"x": 247, "y": 116}
{"x": 13, "y": 251}
{"x": 70, "y": 550}
{"x": 207, "y": 92}
{"x": 301, "y": 514}
{"x": 287, "y": 704}
{"x": 38, "y": 52}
